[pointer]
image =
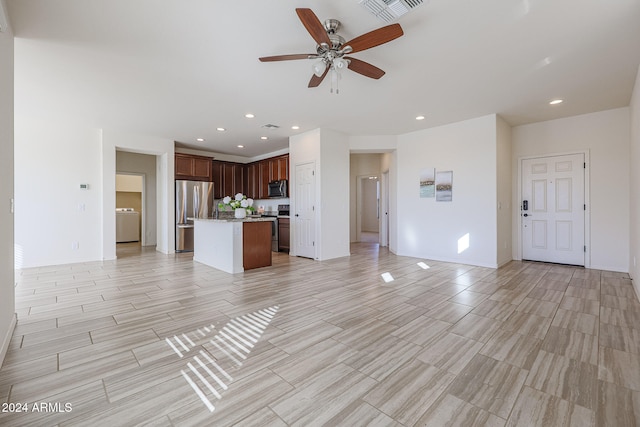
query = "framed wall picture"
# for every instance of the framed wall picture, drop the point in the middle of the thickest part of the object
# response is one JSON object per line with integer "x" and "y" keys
{"x": 428, "y": 183}
{"x": 444, "y": 186}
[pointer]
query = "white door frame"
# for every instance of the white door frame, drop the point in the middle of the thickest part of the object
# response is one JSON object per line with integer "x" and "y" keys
{"x": 587, "y": 213}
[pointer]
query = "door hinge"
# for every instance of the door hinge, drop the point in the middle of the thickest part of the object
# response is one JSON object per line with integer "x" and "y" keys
{"x": 313, "y": 243}
{"x": 585, "y": 249}
{"x": 313, "y": 208}
{"x": 585, "y": 207}
{"x": 584, "y": 165}
{"x": 313, "y": 173}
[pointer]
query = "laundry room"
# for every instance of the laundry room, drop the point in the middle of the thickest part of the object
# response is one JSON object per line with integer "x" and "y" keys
{"x": 128, "y": 208}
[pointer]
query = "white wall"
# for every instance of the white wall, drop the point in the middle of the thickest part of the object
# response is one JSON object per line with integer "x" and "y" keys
{"x": 430, "y": 229}
{"x": 334, "y": 207}
{"x": 329, "y": 151}
{"x": 7, "y": 278}
{"x": 504, "y": 179}
{"x": 56, "y": 222}
{"x": 303, "y": 148}
{"x": 111, "y": 141}
{"x": 129, "y": 183}
{"x": 634, "y": 194}
{"x": 146, "y": 165}
{"x": 369, "y": 209}
{"x": 605, "y": 135}
{"x": 373, "y": 143}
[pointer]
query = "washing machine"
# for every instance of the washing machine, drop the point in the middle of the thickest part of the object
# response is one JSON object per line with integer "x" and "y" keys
{"x": 127, "y": 225}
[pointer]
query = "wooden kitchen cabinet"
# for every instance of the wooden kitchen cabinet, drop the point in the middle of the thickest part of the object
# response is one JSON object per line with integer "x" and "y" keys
{"x": 218, "y": 179}
{"x": 256, "y": 244}
{"x": 264, "y": 167}
{"x": 250, "y": 179}
{"x": 282, "y": 168}
{"x": 238, "y": 178}
{"x": 251, "y": 174}
{"x": 194, "y": 168}
{"x": 228, "y": 179}
{"x": 283, "y": 235}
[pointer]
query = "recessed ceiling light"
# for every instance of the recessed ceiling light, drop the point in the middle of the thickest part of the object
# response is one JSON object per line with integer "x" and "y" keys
{"x": 419, "y": 117}
{"x": 240, "y": 146}
{"x": 295, "y": 127}
{"x": 249, "y": 116}
{"x": 220, "y": 129}
{"x": 263, "y": 137}
{"x": 200, "y": 139}
{"x": 556, "y": 101}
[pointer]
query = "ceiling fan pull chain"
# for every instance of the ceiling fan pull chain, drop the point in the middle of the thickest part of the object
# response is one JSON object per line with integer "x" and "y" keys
{"x": 334, "y": 79}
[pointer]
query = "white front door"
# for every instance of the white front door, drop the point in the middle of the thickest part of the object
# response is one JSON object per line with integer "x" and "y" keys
{"x": 553, "y": 209}
{"x": 304, "y": 219}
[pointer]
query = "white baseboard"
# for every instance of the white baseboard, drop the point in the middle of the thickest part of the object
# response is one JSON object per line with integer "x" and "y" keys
{"x": 7, "y": 339}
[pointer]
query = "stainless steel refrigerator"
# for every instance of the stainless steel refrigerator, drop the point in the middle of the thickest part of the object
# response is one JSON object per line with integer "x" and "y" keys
{"x": 194, "y": 199}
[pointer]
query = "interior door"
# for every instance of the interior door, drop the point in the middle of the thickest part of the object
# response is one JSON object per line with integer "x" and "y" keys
{"x": 304, "y": 219}
{"x": 553, "y": 209}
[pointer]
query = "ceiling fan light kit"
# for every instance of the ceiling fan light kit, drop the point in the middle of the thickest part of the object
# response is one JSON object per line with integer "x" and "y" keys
{"x": 331, "y": 49}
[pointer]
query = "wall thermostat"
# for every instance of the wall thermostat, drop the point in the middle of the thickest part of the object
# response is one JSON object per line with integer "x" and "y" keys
{"x": 84, "y": 186}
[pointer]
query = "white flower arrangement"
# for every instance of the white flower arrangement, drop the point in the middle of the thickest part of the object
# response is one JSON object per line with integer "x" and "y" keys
{"x": 238, "y": 201}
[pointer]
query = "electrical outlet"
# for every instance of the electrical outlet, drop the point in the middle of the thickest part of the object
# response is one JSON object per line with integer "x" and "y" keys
{"x": 75, "y": 245}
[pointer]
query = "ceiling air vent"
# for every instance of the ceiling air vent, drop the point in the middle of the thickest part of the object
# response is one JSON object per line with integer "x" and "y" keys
{"x": 270, "y": 126}
{"x": 389, "y": 10}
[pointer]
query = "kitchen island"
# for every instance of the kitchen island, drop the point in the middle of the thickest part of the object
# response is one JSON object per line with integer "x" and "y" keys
{"x": 232, "y": 245}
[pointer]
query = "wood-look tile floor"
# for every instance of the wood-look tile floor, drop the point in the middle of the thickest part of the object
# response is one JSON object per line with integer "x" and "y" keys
{"x": 151, "y": 339}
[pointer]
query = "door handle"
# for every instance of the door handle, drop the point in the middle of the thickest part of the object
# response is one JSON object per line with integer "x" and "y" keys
{"x": 526, "y": 214}
{"x": 297, "y": 215}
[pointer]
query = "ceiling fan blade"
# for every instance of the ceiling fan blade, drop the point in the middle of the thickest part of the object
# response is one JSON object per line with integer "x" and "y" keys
{"x": 315, "y": 80}
{"x": 286, "y": 57}
{"x": 375, "y": 38}
{"x": 364, "y": 68}
{"x": 313, "y": 26}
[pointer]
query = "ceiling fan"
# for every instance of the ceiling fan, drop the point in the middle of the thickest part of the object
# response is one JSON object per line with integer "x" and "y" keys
{"x": 331, "y": 49}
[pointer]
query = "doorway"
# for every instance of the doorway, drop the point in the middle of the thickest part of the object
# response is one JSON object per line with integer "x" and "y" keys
{"x": 136, "y": 179}
{"x": 553, "y": 209}
{"x": 130, "y": 209}
{"x": 368, "y": 209}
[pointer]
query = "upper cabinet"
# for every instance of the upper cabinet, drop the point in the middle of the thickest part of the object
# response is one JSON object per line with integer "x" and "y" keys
{"x": 218, "y": 179}
{"x": 281, "y": 171}
{"x": 194, "y": 168}
{"x": 252, "y": 180}
{"x": 230, "y": 178}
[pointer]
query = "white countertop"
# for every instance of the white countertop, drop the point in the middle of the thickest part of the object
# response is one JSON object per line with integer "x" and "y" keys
{"x": 247, "y": 219}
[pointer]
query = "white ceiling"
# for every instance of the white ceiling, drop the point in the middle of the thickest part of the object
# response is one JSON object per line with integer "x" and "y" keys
{"x": 178, "y": 69}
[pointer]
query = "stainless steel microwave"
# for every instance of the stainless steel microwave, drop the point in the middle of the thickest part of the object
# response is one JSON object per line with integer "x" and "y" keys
{"x": 278, "y": 189}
